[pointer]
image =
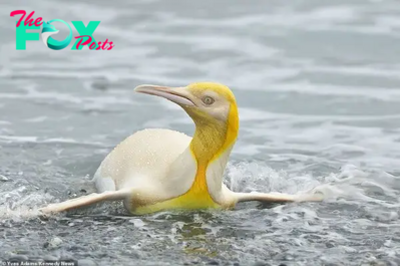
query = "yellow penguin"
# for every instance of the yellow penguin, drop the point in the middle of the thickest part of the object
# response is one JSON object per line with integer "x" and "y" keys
{"x": 162, "y": 169}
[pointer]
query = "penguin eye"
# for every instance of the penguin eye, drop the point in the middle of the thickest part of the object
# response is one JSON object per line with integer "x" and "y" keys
{"x": 208, "y": 100}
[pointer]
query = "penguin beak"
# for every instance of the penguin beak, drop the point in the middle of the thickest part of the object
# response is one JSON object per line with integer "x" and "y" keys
{"x": 178, "y": 95}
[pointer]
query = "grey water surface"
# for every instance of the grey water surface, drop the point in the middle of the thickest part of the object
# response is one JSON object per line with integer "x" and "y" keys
{"x": 318, "y": 88}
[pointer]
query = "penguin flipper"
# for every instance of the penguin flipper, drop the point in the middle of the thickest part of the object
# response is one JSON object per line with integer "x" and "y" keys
{"x": 85, "y": 201}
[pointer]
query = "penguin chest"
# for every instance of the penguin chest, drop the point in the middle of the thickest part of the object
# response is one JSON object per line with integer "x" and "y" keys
{"x": 197, "y": 197}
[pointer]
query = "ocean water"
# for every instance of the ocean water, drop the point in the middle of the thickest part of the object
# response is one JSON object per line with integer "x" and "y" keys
{"x": 317, "y": 84}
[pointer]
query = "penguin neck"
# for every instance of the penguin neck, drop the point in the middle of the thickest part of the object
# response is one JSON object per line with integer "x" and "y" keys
{"x": 208, "y": 141}
{"x": 212, "y": 142}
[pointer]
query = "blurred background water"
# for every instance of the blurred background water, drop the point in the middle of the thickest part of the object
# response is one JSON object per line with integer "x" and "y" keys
{"x": 317, "y": 83}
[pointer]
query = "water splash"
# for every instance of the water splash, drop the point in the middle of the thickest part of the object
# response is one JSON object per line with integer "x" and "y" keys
{"x": 350, "y": 184}
{"x": 21, "y": 202}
